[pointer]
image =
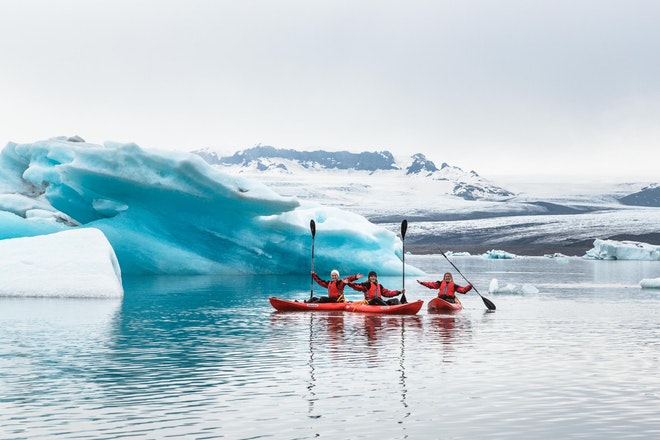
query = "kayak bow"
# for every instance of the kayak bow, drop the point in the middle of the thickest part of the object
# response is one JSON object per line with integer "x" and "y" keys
{"x": 284, "y": 305}
{"x": 437, "y": 305}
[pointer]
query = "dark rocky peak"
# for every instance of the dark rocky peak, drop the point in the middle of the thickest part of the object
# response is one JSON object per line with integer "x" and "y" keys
{"x": 421, "y": 165}
{"x": 647, "y": 196}
{"x": 344, "y": 160}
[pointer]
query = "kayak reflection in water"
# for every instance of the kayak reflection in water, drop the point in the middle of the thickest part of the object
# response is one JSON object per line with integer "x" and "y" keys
{"x": 374, "y": 291}
{"x": 335, "y": 287}
{"x": 446, "y": 288}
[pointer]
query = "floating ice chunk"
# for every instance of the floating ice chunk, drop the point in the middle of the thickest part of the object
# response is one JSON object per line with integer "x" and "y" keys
{"x": 518, "y": 289}
{"x": 650, "y": 283}
{"x": 499, "y": 255}
{"x": 622, "y": 250}
{"x": 457, "y": 254}
{"x": 74, "y": 263}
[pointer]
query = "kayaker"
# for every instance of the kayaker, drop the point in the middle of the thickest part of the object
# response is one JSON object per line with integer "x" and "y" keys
{"x": 446, "y": 288}
{"x": 374, "y": 291}
{"x": 335, "y": 286}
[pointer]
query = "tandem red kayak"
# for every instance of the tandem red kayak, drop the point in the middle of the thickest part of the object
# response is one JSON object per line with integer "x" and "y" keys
{"x": 284, "y": 305}
{"x": 410, "y": 308}
{"x": 437, "y": 305}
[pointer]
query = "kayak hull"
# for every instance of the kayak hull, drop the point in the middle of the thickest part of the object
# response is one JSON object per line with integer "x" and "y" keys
{"x": 284, "y": 305}
{"x": 437, "y": 305}
{"x": 410, "y": 308}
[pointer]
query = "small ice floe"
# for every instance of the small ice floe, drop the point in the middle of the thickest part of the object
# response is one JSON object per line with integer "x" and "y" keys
{"x": 558, "y": 257}
{"x": 650, "y": 283}
{"x": 499, "y": 255}
{"x": 516, "y": 289}
{"x": 457, "y": 254}
{"x": 623, "y": 250}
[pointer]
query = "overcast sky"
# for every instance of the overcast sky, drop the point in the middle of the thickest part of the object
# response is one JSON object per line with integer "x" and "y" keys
{"x": 495, "y": 86}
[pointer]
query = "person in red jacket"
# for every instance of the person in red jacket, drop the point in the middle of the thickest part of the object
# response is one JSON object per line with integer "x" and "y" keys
{"x": 374, "y": 291}
{"x": 446, "y": 288}
{"x": 335, "y": 286}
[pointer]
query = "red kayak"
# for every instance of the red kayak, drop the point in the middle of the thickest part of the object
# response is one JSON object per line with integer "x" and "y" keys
{"x": 284, "y": 305}
{"x": 437, "y": 305}
{"x": 410, "y": 308}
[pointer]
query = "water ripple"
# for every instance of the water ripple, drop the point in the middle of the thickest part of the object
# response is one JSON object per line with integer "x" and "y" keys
{"x": 191, "y": 365}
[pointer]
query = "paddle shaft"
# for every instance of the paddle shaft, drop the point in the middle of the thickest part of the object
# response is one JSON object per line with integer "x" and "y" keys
{"x": 404, "y": 228}
{"x": 489, "y": 304}
{"x": 312, "y": 227}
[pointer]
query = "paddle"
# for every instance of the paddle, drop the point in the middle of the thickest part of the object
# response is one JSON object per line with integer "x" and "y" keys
{"x": 312, "y": 226}
{"x": 486, "y": 301}
{"x": 404, "y": 228}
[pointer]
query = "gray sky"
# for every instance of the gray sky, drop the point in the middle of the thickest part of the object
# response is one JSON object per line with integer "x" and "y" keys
{"x": 500, "y": 87}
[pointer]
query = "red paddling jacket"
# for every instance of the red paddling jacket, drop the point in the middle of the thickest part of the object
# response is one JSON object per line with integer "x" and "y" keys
{"x": 373, "y": 290}
{"x": 445, "y": 288}
{"x": 335, "y": 288}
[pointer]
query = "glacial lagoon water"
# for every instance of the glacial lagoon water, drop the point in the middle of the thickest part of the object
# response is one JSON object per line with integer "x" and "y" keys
{"x": 207, "y": 358}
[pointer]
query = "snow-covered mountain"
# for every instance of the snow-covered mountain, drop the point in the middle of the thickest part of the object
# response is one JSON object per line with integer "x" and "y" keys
{"x": 451, "y": 209}
{"x": 339, "y": 175}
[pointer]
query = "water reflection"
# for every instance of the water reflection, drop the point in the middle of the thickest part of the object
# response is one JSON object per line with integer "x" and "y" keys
{"x": 416, "y": 323}
{"x": 312, "y": 376}
{"x": 48, "y": 342}
{"x": 196, "y": 332}
{"x": 205, "y": 357}
{"x": 357, "y": 347}
{"x": 445, "y": 327}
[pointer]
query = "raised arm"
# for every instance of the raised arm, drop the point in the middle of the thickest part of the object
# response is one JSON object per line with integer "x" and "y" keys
{"x": 321, "y": 282}
{"x": 360, "y": 287}
{"x": 430, "y": 284}
{"x": 389, "y": 293}
{"x": 464, "y": 289}
{"x": 352, "y": 278}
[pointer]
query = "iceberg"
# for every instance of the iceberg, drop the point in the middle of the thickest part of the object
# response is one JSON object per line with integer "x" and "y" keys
{"x": 650, "y": 283}
{"x": 622, "y": 250}
{"x": 519, "y": 289}
{"x": 495, "y": 254}
{"x": 172, "y": 213}
{"x": 76, "y": 263}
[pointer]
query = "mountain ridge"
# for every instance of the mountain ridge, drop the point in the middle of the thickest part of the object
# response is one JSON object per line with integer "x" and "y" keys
{"x": 264, "y": 159}
{"x": 448, "y": 207}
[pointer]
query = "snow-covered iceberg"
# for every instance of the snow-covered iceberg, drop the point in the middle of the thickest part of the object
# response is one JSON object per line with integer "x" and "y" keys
{"x": 518, "y": 289}
{"x": 172, "y": 213}
{"x": 75, "y": 263}
{"x": 650, "y": 283}
{"x": 622, "y": 250}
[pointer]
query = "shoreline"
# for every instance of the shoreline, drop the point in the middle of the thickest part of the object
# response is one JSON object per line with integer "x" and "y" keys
{"x": 430, "y": 245}
{"x": 516, "y": 249}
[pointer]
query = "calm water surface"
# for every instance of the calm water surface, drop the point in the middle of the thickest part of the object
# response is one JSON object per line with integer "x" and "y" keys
{"x": 207, "y": 357}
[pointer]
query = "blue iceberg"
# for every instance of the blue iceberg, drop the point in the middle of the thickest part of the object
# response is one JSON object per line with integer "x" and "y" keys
{"x": 171, "y": 213}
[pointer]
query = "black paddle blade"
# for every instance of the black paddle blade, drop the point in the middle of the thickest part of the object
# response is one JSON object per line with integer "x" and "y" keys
{"x": 312, "y": 227}
{"x": 488, "y": 303}
{"x": 404, "y": 228}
